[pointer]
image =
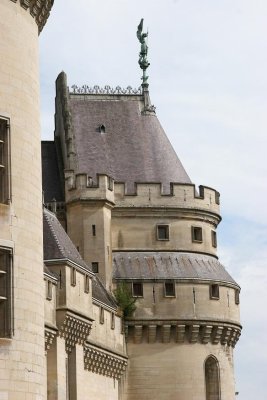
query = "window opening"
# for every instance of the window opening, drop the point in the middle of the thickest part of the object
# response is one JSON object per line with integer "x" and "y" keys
{"x": 237, "y": 299}
{"x": 86, "y": 284}
{"x": 73, "y": 276}
{"x": 102, "y": 316}
{"x": 137, "y": 289}
{"x": 197, "y": 234}
{"x": 214, "y": 238}
{"x": 112, "y": 321}
{"x": 214, "y": 292}
{"x": 169, "y": 288}
{"x": 162, "y": 232}
{"x": 212, "y": 379}
{"x": 95, "y": 267}
{"x": 4, "y": 162}
{"x": 93, "y": 230}
{"x": 6, "y": 303}
{"x": 49, "y": 290}
{"x": 102, "y": 128}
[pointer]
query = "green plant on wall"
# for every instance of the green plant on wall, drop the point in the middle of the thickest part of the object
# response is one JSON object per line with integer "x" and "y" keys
{"x": 124, "y": 299}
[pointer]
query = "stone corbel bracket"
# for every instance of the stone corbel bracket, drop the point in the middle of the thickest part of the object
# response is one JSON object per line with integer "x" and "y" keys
{"x": 182, "y": 331}
{"x": 73, "y": 328}
{"x": 39, "y": 9}
{"x": 50, "y": 333}
{"x": 104, "y": 363}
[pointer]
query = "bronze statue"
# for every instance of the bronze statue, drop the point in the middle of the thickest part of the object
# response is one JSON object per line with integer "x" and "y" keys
{"x": 143, "y": 62}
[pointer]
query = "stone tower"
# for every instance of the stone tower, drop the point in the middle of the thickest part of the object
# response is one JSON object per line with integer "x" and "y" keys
{"x": 135, "y": 217}
{"x": 22, "y": 367}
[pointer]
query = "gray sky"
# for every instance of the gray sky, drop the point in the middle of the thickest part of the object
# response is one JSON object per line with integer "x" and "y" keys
{"x": 208, "y": 81}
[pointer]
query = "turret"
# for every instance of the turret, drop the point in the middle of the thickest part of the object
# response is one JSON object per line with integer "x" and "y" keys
{"x": 22, "y": 353}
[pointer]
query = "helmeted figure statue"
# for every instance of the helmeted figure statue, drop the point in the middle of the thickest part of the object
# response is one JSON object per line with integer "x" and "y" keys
{"x": 143, "y": 62}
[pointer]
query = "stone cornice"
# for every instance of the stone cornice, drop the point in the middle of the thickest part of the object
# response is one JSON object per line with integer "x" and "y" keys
{"x": 103, "y": 362}
{"x": 39, "y": 10}
{"x": 182, "y": 331}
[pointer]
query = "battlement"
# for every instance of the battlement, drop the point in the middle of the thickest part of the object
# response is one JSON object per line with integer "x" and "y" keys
{"x": 181, "y": 195}
{"x": 82, "y": 187}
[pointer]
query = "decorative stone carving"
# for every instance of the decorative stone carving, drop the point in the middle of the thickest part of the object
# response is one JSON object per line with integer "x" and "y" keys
{"x": 85, "y": 89}
{"x": 152, "y": 332}
{"x": 183, "y": 331}
{"x": 103, "y": 363}
{"x": 49, "y": 337}
{"x": 180, "y": 333}
{"x": 39, "y": 9}
{"x": 166, "y": 333}
{"x": 74, "y": 330}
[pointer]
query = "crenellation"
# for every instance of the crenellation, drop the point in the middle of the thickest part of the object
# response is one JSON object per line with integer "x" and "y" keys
{"x": 81, "y": 187}
{"x": 180, "y": 196}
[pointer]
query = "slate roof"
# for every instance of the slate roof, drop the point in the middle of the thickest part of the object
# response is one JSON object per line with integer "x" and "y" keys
{"x": 168, "y": 265}
{"x": 50, "y": 173}
{"x": 58, "y": 246}
{"x": 134, "y": 147}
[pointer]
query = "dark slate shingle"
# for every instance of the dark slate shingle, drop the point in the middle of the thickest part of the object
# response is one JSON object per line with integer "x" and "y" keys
{"x": 168, "y": 265}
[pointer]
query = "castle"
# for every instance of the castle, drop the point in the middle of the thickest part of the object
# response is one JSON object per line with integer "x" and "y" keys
{"x": 110, "y": 285}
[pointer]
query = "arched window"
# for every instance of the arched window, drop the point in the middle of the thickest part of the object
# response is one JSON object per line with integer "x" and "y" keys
{"x": 212, "y": 378}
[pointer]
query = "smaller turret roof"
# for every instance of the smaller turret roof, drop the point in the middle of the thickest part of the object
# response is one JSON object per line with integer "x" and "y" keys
{"x": 59, "y": 247}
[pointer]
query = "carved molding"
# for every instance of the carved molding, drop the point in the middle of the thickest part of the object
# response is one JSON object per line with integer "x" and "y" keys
{"x": 181, "y": 332}
{"x": 73, "y": 329}
{"x": 85, "y": 89}
{"x": 103, "y": 363}
{"x": 49, "y": 337}
{"x": 39, "y": 9}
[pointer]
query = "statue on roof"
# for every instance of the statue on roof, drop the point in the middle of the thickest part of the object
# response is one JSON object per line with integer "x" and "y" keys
{"x": 143, "y": 62}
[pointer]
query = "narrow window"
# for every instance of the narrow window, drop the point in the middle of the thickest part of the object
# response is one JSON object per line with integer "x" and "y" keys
{"x": 95, "y": 267}
{"x": 162, "y": 232}
{"x": 49, "y": 290}
{"x": 214, "y": 292}
{"x": 102, "y": 128}
{"x": 212, "y": 379}
{"x": 6, "y": 302}
{"x": 214, "y": 238}
{"x": 73, "y": 277}
{"x": 137, "y": 289}
{"x": 4, "y": 162}
{"x": 110, "y": 183}
{"x": 196, "y": 234}
{"x": 169, "y": 288}
{"x": 93, "y": 230}
{"x": 112, "y": 316}
{"x": 102, "y": 315}
{"x": 237, "y": 296}
{"x": 86, "y": 283}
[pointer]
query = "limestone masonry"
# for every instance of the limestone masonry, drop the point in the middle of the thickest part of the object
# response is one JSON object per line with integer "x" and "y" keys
{"x": 110, "y": 288}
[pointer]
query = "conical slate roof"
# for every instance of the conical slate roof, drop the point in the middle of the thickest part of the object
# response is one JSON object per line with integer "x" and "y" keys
{"x": 132, "y": 147}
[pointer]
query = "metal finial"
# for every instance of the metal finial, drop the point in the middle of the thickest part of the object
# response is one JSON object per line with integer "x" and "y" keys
{"x": 143, "y": 62}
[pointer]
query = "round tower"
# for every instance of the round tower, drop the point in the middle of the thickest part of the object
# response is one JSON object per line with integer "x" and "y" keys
{"x": 181, "y": 336}
{"x": 22, "y": 366}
